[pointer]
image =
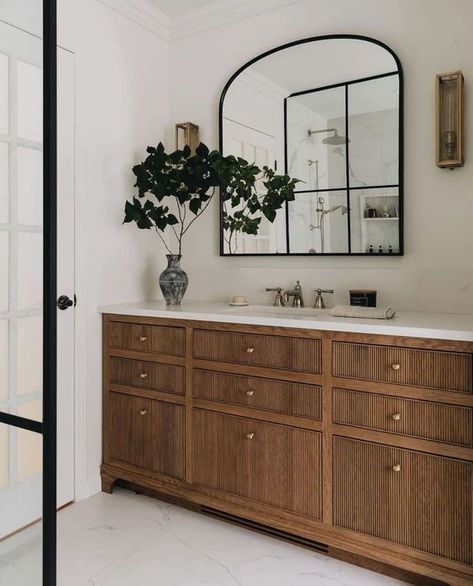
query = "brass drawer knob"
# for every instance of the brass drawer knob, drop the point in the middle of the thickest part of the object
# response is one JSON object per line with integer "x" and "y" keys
{"x": 143, "y": 338}
{"x": 143, "y": 412}
{"x": 397, "y": 467}
{"x": 250, "y": 350}
{"x": 143, "y": 375}
{"x": 250, "y": 435}
{"x": 397, "y": 416}
{"x": 396, "y": 366}
{"x": 250, "y": 393}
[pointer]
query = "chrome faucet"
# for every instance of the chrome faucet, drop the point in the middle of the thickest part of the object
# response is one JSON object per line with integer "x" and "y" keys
{"x": 279, "y": 299}
{"x": 296, "y": 294}
{"x": 319, "y": 300}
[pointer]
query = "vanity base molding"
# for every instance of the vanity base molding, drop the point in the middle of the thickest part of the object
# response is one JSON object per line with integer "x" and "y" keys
{"x": 292, "y": 430}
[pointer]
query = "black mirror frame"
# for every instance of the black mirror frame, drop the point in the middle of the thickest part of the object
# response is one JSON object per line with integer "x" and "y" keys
{"x": 401, "y": 145}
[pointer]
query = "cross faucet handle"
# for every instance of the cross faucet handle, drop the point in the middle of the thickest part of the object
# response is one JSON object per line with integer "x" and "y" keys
{"x": 279, "y": 299}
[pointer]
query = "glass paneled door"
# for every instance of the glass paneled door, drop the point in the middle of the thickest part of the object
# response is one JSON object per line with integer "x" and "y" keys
{"x": 27, "y": 291}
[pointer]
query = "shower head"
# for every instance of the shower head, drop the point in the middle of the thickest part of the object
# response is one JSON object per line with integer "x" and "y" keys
{"x": 335, "y": 139}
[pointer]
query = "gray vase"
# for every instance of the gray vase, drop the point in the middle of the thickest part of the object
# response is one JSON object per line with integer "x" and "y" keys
{"x": 173, "y": 280}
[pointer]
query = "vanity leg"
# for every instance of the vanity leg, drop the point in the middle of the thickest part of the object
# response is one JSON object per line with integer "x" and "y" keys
{"x": 107, "y": 483}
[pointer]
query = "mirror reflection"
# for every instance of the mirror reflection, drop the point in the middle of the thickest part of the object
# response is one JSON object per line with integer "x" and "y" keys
{"x": 326, "y": 112}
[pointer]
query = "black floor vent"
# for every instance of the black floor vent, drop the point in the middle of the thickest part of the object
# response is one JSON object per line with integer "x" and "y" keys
{"x": 315, "y": 545}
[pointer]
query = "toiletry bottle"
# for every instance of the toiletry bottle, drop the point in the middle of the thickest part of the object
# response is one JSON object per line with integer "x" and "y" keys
{"x": 371, "y": 249}
{"x": 380, "y": 249}
{"x": 390, "y": 249}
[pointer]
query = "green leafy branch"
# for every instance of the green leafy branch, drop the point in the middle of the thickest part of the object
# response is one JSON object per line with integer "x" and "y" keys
{"x": 175, "y": 189}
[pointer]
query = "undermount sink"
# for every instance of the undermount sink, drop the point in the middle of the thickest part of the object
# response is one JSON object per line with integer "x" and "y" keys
{"x": 293, "y": 312}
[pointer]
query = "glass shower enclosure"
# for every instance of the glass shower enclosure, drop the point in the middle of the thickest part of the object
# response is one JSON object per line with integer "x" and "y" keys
{"x": 27, "y": 292}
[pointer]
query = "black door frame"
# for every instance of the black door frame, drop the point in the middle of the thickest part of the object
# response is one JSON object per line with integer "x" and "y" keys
{"x": 48, "y": 427}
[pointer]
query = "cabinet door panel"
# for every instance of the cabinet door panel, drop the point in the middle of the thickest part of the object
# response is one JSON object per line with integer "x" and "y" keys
{"x": 266, "y": 463}
{"x": 147, "y": 434}
{"x": 414, "y": 499}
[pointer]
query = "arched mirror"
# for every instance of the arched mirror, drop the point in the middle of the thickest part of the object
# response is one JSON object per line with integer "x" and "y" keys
{"x": 327, "y": 111}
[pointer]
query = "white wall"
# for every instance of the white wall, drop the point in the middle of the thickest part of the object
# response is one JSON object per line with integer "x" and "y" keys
{"x": 121, "y": 107}
{"x": 429, "y": 36}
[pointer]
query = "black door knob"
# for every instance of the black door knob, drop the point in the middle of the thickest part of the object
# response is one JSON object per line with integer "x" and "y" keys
{"x": 64, "y": 302}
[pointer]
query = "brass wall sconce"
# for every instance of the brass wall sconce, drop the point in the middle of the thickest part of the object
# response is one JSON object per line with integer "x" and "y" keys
{"x": 187, "y": 133}
{"x": 449, "y": 113}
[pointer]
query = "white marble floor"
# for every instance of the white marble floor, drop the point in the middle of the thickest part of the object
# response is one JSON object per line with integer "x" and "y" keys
{"x": 129, "y": 540}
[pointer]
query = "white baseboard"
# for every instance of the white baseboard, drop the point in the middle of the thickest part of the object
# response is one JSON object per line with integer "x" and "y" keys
{"x": 90, "y": 487}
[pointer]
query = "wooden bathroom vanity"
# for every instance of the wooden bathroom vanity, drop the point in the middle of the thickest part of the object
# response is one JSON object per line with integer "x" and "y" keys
{"x": 354, "y": 437}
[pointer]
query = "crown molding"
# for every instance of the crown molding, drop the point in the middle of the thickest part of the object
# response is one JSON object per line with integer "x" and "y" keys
{"x": 219, "y": 13}
{"x": 193, "y": 22}
{"x": 143, "y": 14}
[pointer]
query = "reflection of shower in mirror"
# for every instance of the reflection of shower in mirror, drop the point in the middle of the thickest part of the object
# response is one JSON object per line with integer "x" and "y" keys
{"x": 321, "y": 212}
{"x": 335, "y": 139}
{"x": 315, "y": 164}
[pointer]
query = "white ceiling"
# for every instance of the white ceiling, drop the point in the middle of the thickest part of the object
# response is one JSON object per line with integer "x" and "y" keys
{"x": 173, "y": 8}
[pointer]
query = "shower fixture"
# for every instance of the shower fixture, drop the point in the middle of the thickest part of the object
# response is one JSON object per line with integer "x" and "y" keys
{"x": 321, "y": 214}
{"x": 335, "y": 139}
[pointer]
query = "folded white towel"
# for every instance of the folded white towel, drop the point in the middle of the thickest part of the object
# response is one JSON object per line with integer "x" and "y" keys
{"x": 363, "y": 312}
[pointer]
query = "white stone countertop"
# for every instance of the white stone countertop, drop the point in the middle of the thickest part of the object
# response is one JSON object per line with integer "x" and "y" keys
{"x": 442, "y": 326}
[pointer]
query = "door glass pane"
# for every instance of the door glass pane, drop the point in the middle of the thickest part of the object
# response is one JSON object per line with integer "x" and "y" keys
{"x": 4, "y": 183}
{"x": 30, "y": 186}
{"x": 4, "y": 269}
{"x": 21, "y": 500}
{"x": 29, "y": 456}
{"x": 30, "y": 270}
{"x": 4, "y": 371}
{"x": 29, "y": 356}
{"x": 30, "y": 102}
{"x": 4, "y": 94}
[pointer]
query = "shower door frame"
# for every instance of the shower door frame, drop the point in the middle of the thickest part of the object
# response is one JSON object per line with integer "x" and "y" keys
{"x": 48, "y": 427}
{"x": 348, "y": 188}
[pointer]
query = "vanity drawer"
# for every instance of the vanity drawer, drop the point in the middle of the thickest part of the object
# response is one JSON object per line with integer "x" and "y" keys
{"x": 297, "y": 399}
{"x": 435, "y": 369}
{"x": 414, "y": 499}
{"x": 139, "y": 434}
{"x": 421, "y": 419}
{"x": 148, "y": 375}
{"x": 271, "y": 464}
{"x": 147, "y": 338}
{"x": 299, "y": 354}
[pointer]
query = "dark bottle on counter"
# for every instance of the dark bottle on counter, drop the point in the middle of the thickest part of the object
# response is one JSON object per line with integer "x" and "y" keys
{"x": 390, "y": 249}
{"x": 371, "y": 249}
{"x": 380, "y": 249}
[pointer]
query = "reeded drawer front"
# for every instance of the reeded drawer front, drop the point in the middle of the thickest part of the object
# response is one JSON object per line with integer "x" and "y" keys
{"x": 449, "y": 371}
{"x": 414, "y": 499}
{"x": 299, "y": 354}
{"x": 148, "y": 375}
{"x": 259, "y": 393}
{"x": 148, "y": 434}
{"x": 266, "y": 463}
{"x": 420, "y": 419}
{"x": 146, "y": 338}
